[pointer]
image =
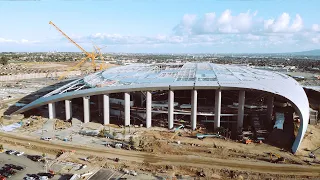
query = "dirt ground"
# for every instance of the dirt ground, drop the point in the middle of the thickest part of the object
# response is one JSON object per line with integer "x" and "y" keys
{"x": 216, "y": 158}
{"x": 43, "y": 67}
{"x": 311, "y": 141}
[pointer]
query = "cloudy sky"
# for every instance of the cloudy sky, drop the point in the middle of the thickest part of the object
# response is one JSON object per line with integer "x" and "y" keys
{"x": 162, "y": 26}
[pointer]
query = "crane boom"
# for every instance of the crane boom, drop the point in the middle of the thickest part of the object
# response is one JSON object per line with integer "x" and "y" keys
{"x": 69, "y": 38}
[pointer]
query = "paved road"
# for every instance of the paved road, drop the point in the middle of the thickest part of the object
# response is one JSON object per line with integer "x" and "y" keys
{"x": 193, "y": 161}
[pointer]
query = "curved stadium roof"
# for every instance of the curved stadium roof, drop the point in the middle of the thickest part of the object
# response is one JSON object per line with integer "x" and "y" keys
{"x": 142, "y": 77}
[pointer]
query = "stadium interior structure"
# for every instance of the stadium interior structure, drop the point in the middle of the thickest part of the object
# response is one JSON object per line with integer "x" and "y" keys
{"x": 240, "y": 100}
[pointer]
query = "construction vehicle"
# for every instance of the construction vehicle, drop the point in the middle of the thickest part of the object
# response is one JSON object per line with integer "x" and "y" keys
{"x": 202, "y": 136}
{"x": 91, "y": 56}
{"x": 247, "y": 140}
{"x": 176, "y": 131}
{"x": 312, "y": 155}
{"x": 279, "y": 158}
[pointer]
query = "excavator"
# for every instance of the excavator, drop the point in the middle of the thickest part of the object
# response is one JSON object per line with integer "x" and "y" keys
{"x": 176, "y": 131}
{"x": 279, "y": 158}
{"x": 91, "y": 56}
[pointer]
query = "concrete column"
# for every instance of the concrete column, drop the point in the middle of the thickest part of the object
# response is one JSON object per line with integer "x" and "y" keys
{"x": 68, "y": 109}
{"x": 126, "y": 109}
{"x": 106, "y": 109}
{"x": 86, "y": 109}
{"x": 194, "y": 107}
{"x": 141, "y": 99}
{"x": 148, "y": 109}
{"x": 170, "y": 109}
{"x": 217, "y": 109}
{"x": 241, "y": 109}
{"x": 52, "y": 110}
{"x": 270, "y": 100}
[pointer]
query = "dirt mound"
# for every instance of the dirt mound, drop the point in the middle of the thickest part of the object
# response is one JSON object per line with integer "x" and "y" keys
{"x": 92, "y": 125}
{"x": 151, "y": 141}
{"x": 60, "y": 124}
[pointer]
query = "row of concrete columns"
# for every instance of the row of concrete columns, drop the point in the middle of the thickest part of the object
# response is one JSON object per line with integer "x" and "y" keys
{"x": 194, "y": 105}
{"x": 106, "y": 109}
{"x": 217, "y": 110}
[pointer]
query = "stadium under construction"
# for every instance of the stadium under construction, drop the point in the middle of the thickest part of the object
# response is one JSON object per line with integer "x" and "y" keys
{"x": 195, "y": 95}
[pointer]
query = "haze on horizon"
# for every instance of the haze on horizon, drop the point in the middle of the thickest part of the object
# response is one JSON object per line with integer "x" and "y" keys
{"x": 181, "y": 26}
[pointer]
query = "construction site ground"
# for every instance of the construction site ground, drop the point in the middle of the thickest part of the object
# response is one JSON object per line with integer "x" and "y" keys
{"x": 157, "y": 154}
{"x": 160, "y": 156}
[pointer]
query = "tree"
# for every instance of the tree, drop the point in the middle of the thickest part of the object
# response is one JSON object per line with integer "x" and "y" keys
{"x": 1, "y": 147}
{"x": 114, "y": 134}
{"x": 102, "y": 132}
{"x": 4, "y": 60}
{"x": 131, "y": 141}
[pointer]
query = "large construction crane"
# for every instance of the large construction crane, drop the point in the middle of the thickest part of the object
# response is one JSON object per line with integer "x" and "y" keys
{"x": 92, "y": 56}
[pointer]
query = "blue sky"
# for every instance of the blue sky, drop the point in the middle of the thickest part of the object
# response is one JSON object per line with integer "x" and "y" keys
{"x": 162, "y": 26}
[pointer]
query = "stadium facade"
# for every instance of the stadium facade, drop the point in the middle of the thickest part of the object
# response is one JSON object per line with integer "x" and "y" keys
{"x": 189, "y": 93}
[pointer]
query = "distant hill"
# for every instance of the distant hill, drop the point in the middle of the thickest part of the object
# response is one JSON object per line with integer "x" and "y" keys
{"x": 315, "y": 52}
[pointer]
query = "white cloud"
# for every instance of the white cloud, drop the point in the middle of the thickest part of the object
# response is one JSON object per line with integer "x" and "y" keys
{"x": 186, "y": 24}
{"x": 188, "y": 19}
{"x": 316, "y": 27}
{"x": 210, "y": 23}
{"x": 268, "y": 23}
{"x": 3, "y": 40}
{"x": 243, "y": 29}
{"x": 22, "y": 41}
{"x": 225, "y": 17}
{"x": 245, "y": 22}
{"x": 282, "y": 24}
{"x": 297, "y": 24}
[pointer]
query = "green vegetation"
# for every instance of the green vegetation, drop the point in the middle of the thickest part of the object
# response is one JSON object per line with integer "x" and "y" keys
{"x": 131, "y": 141}
{"x": 4, "y": 60}
{"x": 102, "y": 132}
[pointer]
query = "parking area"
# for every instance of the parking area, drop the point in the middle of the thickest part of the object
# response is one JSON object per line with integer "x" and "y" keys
{"x": 29, "y": 166}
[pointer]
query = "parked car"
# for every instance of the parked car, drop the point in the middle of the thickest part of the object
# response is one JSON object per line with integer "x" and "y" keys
{"x": 7, "y": 174}
{"x": 43, "y": 178}
{"x": 29, "y": 178}
{"x": 46, "y": 138}
{"x": 133, "y": 173}
{"x": 49, "y": 175}
{"x": 2, "y": 177}
{"x": 83, "y": 166}
{"x": 36, "y": 177}
{"x": 36, "y": 158}
{"x": 14, "y": 166}
{"x": 10, "y": 152}
{"x": 19, "y": 153}
{"x": 7, "y": 169}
